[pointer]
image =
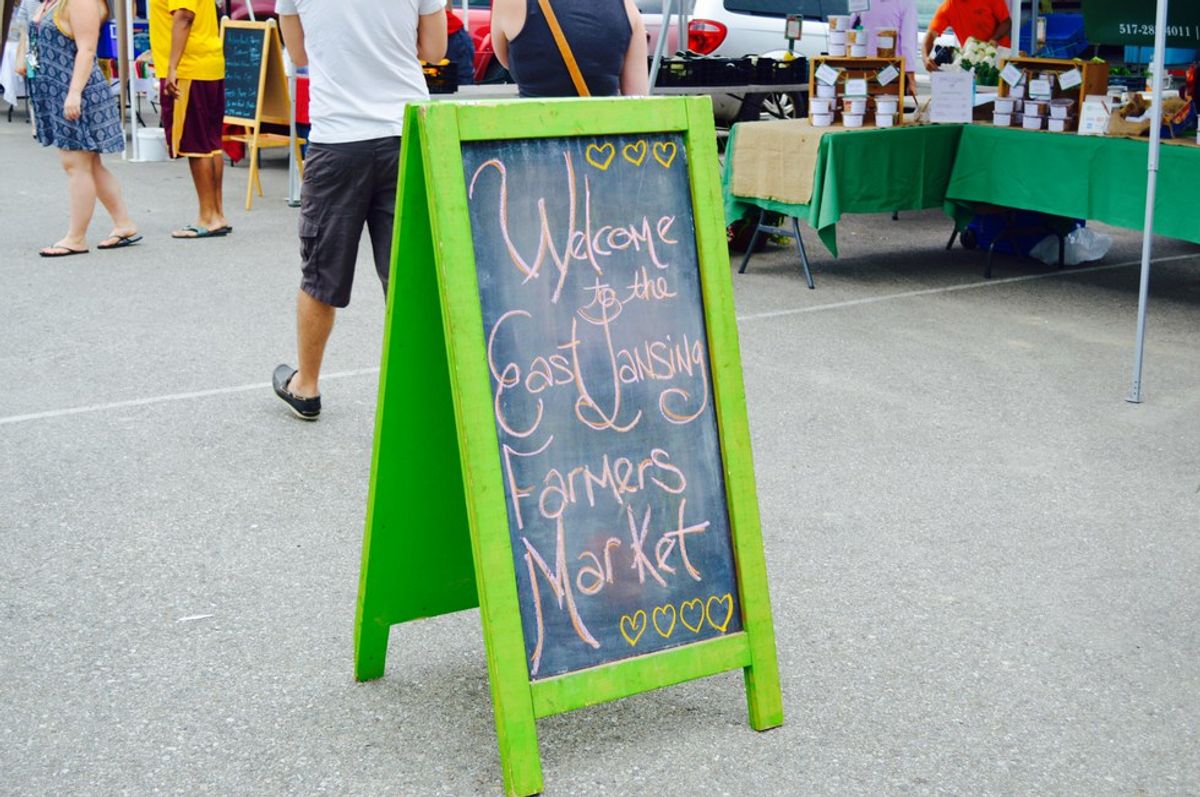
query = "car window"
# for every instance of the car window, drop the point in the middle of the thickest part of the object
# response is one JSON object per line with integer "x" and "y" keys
{"x": 813, "y": 9}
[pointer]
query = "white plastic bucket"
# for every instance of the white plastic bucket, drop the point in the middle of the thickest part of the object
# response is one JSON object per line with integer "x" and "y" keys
{"x": 822, "y": 119}
{"x": 852, "y": 119}
{"x": 152, "y": 144}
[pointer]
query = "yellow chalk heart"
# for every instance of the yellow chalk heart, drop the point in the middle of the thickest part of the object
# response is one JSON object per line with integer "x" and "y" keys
{"x": 635, "y": 153}
{"x": 637, "y": 626}
{"x": 600, "y": 155}
{"x": 663, "y": 611}
{"x": 695, "y": 605}
{"x": 725, "y": 600}
{"x": 664, "y": 153}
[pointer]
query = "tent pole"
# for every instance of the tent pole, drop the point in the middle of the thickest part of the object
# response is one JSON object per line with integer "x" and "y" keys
{"x": 133, "y": 150}
{"x": 660, "y": 46}
{"x": 123, "y": 39}
{"x": 1160, "y": 43}
{"x": 1015, "y": 13}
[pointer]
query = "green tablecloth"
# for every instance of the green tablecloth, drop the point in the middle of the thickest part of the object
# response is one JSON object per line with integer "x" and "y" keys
{"x": 1085, "y": 177}
{"x": 864, "y": 171}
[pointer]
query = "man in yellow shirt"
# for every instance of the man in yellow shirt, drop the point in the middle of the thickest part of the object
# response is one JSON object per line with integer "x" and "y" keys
{"x": 186, "y": 43}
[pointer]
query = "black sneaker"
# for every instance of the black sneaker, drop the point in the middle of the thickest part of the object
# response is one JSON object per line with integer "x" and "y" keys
{"x": 307, "y": 409}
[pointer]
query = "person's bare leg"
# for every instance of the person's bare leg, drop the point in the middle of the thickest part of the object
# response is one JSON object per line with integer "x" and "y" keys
{"x": 108, "y": 191}
{"x": 314, "y": 322}
{"x": 202, "y": 179}
{"x": 218, "y": 177}
{"x": 81, "y": 192}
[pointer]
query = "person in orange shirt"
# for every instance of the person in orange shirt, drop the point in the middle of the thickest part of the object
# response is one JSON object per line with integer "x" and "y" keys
{"x": 982, "y": 20}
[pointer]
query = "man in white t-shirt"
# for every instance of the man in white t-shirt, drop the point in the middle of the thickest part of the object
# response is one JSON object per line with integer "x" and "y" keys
{"x": 362, "y": 58}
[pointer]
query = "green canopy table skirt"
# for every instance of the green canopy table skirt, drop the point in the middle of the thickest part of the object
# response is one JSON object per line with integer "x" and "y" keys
{"x": 863, "y": 171}
{"x": 1085, "y": 177}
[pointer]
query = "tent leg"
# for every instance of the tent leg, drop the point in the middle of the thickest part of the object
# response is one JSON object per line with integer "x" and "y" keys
{"x": 753, "y": 242}
{"x": 1160, "y": 43}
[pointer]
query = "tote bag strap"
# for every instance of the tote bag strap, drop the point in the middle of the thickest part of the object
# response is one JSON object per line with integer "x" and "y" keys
{"x": 565, "y": 49}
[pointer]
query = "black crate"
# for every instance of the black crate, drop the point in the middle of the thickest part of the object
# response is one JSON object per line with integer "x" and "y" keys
{"x": 726, "y": 71}
{"x": 793, "y": 71}
{"x": 677, "y": 72}
{"x": 441, "y": 78}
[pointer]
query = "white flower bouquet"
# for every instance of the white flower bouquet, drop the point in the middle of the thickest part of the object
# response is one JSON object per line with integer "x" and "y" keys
{"x": 982, "y": 58}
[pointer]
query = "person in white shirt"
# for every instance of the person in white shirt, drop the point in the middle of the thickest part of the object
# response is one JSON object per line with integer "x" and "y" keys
{"x": 362, "y": 58}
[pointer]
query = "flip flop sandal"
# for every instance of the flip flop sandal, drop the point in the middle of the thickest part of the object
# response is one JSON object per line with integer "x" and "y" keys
{"x": 223, "y": 230}
{"x": 66, "y": 251}
{"x": 304, "y": 408}
{"x": 121, "y": 241}
{"x": 199, "y": 232}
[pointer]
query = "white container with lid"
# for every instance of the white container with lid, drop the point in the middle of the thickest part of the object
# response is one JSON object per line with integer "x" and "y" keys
{"x": 1058, "y": 125}
{"x": 858, "y": 51}
{"x": 825, "y": 91}
{"x": 886, "y": 106}
{"x": 1061, "y": 109}
{"x": 885, "y": 119}
{"x": 837, "y": 50}
{"x": 837, "y": 37}
{"x": 1032, "y": 122}
{"x": 821, "y": 104}
{"x": 1005, "y": 104}
{"x": 839, "y": 22}
{"x": 822, "y": 119}
{"x": 1036, "y": 107}
{"x": 1002, "y": 119}
{"x": 856, "y": 106}
{"x": 852, "y": 119}
{"x": 1017, "y": 92}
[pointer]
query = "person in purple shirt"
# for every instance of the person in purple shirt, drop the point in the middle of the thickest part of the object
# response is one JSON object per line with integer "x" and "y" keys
{"x": 900, "y": 15}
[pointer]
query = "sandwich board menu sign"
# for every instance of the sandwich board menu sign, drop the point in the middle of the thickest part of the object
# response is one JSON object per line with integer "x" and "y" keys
{"x": 561, "y": 436}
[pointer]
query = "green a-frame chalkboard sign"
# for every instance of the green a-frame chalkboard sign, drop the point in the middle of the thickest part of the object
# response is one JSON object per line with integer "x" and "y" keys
{"x": 561, "y": 436}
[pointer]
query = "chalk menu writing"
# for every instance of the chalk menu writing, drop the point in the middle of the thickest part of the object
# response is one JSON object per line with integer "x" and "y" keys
{"x": 243, "y": 65}
{"x": 599, "y": 369}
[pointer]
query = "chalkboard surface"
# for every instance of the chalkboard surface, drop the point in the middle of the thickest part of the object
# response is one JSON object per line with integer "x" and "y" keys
{"x": 244, "y": 49}
{"x": 598, "y": 354}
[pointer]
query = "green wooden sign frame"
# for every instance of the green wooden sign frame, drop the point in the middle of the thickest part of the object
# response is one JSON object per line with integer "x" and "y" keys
{"x": 437, "y": 537}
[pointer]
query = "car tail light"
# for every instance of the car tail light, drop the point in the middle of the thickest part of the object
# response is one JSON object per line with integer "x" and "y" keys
{"x": 705, "y": 35}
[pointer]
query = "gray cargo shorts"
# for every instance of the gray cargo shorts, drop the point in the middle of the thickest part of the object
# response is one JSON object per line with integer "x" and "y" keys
{"x": 346, "y": 186}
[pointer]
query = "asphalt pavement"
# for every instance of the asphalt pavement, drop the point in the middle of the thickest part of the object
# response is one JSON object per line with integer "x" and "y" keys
{"x": 984, "y": 563}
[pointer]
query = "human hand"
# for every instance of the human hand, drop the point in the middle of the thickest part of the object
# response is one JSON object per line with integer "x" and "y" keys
{"x": 930, "y": 65}
{"x": 72, "y": 106}
{"x": 172, "y": 84}
{"x": 20, "y": 68}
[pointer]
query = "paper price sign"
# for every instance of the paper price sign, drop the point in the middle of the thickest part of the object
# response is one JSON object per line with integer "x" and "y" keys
{"x": 888, "y": 75}
{"x": 1040, "y": 89}
{"x": 1070, "y": 79}
{"x": 827, "y": 74}
{"x": 856, "y": 87}
{"x": 1012, "y": 76}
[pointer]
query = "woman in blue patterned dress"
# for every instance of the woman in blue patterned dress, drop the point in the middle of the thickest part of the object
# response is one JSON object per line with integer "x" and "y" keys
{"x": 77, "y": 113}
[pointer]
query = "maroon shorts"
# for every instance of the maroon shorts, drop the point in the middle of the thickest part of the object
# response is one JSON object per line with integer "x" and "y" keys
{"x": 193, "y": 121}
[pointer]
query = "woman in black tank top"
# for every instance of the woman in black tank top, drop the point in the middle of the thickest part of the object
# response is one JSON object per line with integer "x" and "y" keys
{"x": 606, "y": 37}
